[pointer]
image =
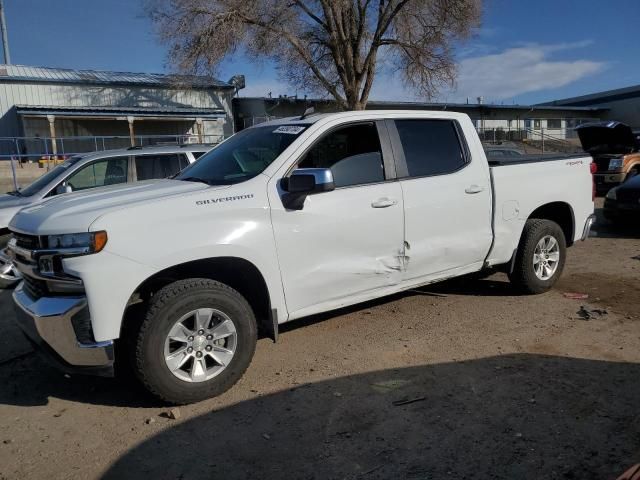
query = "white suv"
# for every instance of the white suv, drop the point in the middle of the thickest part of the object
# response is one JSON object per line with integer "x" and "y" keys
{"x": 91, "y": 170}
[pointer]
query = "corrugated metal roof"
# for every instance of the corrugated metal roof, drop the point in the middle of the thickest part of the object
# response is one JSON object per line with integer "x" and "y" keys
{"x": 23, "y": 73}
{"x": 111, "y": 111}
{"x": 598, "y": 97}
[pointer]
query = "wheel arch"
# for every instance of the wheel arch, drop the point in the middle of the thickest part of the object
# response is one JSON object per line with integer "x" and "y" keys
{"x": 560, "y": 213}
{"x": 238, "y": 273}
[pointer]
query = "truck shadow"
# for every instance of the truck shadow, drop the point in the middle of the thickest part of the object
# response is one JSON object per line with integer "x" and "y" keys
{"x": 605, "y": 229}
{"x": 29, "y": 379}
{"x": 513, "y": 416}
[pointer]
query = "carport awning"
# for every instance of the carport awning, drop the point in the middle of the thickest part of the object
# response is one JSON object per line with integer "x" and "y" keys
{"x": 121, "y": 113}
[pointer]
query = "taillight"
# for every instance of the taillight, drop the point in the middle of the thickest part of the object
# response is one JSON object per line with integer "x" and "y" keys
{"x": 594, "y": 169}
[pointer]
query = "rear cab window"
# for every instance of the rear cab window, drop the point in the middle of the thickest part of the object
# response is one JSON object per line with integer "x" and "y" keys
{"x": 431, "y": 147}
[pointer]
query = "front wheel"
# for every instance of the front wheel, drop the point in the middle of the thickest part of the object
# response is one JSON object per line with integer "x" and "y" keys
{"x": 540, "y": 257}
{"x": 196, "y": 341}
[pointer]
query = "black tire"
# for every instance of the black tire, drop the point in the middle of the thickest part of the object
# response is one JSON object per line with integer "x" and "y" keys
{"x": 523, "y": 277}
{"x": 165, "y": 308}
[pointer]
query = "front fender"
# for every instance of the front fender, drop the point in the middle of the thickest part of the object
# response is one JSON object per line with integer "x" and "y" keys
{"x": 151, "y": 237}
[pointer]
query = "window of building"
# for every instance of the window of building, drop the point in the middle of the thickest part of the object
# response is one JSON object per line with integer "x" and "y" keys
{"x": 352, "y": 153}
{"x": 431, "y": 147}
{"x": 554, "y": 123}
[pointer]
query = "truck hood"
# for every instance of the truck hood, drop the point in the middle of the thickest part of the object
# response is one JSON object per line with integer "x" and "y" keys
{"x": 9, "y": 206}
{"x": 606, "y": 138}
{"x": 75, "y": 212}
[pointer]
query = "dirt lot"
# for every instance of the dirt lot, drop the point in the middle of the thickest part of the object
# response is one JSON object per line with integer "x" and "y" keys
{"x": 505, "y": 386}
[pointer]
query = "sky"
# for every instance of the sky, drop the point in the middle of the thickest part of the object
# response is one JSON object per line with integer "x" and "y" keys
{"x": 525, "y": 52}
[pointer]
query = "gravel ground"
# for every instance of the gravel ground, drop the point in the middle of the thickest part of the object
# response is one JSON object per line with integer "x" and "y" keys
{"x": 495, "y": 385}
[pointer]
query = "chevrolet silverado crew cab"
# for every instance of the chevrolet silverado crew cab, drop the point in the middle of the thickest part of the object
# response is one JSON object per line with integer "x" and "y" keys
{"x": 283, "y": 220}
{"x": 91, "y": 170}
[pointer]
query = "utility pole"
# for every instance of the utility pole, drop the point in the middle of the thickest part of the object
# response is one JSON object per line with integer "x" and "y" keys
{"x": 5, "y": 39}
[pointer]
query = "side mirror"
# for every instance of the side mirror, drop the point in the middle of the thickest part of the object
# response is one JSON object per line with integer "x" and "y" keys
{"x": 303, "y": 182}
{"x": 64, "y": 187}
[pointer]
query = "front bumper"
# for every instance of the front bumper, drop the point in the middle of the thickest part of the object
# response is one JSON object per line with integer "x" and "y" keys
{"x": 49, "y": 323}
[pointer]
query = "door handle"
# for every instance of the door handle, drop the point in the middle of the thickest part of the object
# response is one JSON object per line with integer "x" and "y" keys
{"x": 384, "y": 203}
{"x": 474, "y": 189}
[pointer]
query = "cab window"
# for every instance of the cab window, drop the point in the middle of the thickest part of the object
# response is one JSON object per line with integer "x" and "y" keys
{"x": 352, "y": 153}
{"x": 431, "y": 147}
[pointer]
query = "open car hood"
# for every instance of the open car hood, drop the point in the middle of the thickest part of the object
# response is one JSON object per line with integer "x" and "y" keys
{"x": 607, "y": 137}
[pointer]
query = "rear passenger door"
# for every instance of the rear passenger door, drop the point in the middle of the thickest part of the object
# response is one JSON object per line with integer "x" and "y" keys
{"x": 162, "y": 165}
{"x": 447, "y": 198}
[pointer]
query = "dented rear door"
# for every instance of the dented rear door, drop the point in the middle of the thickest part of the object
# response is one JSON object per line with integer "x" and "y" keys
{"x": 447, "y": 198}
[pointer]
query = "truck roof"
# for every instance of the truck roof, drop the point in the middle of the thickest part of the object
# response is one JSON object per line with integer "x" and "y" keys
{"x": 191, "y": 147}
{"x": 315, "y": 117}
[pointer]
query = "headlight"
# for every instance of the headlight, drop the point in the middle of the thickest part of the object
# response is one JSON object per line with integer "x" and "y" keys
{"x": 93, "y": 241}
{"x": 612, "y": 195}
{"x": 615, "y": 163}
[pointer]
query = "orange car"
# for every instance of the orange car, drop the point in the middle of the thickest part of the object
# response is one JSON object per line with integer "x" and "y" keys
{"x": 616, "y": 150}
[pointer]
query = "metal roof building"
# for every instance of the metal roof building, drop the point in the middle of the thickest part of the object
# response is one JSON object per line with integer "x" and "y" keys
{"x": 622, "y": 104}
{"x": 491, "y": 121}
{"x": 88, "y": 109}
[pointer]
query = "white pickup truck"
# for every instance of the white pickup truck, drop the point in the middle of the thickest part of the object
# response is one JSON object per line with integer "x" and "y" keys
{"x": 283, "y": 220}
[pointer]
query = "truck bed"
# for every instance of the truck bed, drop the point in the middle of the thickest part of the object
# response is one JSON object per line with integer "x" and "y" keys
{"x": 515, "y": 160}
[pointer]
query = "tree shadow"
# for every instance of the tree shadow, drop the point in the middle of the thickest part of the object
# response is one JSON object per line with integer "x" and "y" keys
{"x": 513, "y": 416}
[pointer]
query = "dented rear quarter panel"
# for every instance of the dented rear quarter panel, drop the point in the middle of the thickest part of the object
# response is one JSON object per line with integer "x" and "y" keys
{"x": 522, "y": 188}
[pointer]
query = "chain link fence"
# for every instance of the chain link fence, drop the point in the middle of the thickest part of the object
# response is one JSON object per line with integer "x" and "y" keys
{"x": 23, "y": 159}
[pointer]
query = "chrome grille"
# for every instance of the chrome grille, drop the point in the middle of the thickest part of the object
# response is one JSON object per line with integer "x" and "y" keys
{"x": 35, "y": 288}
{"x": 30, "y": 242}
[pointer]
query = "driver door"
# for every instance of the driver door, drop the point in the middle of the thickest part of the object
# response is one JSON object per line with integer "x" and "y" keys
{"x": 345, "y": 244}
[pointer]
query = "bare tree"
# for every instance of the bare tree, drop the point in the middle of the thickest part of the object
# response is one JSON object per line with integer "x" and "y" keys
{"x": 332, "y": 46}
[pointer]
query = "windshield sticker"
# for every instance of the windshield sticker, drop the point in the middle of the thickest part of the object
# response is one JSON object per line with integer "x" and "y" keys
{"x": 289, "y": 129}
{"x": 224, "y": 199}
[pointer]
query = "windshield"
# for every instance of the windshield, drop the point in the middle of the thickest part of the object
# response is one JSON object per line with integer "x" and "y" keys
{"x": 243, "y": 156}
{"x": 48, "y": 177}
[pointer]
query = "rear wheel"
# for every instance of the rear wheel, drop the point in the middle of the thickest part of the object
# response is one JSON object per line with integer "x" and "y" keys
{"x": 196, "y": 341}
{"x": 540, "y": 257}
